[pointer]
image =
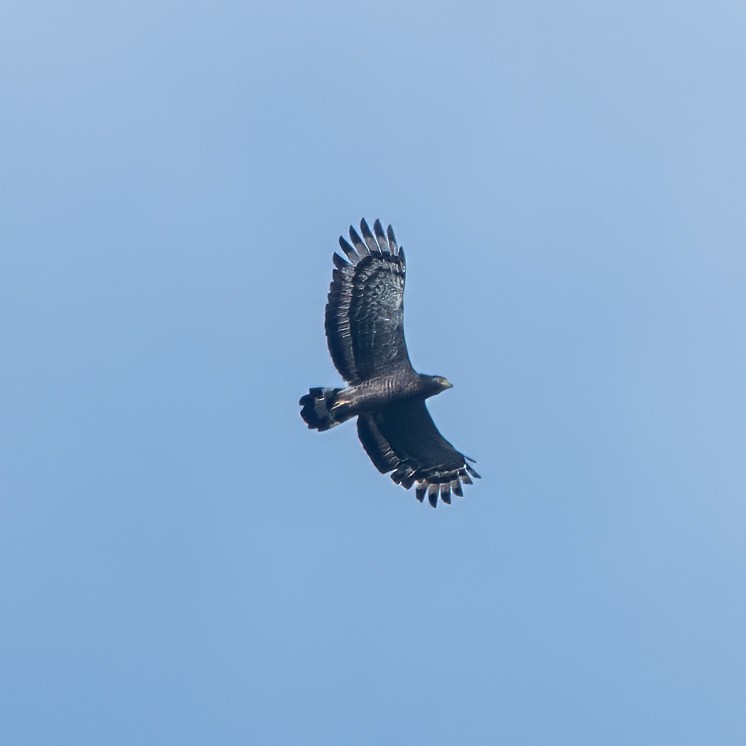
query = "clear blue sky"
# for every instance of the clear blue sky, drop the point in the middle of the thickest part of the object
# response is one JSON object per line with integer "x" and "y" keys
{"x": 182, "y": 562}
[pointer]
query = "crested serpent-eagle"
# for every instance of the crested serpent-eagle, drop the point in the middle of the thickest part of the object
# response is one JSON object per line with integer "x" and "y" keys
{"x": 365, "y": 333}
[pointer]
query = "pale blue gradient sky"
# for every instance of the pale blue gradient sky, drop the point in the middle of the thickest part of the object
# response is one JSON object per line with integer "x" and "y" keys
{"x": 182, "y": 562}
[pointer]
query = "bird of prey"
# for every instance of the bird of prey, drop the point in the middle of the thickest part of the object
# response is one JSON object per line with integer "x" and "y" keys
{"x": 365, "y": 334}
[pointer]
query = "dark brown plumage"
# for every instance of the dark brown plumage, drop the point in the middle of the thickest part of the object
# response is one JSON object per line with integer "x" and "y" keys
{"x": 365, "y": 334}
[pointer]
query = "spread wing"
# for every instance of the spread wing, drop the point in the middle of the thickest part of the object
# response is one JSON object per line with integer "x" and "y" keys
{"x": 402, "y": 437}
{"x": 365, "y": 309}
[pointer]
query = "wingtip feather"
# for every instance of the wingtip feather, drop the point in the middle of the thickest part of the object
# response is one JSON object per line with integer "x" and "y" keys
{"x": 381, "y": 237}
{"x": 432, "y": 494}
{"x": 392, "y": 239}
{"x": 358, "y": 242}
{"x": 473, "y": 472}
{"x": 370, "y": 240}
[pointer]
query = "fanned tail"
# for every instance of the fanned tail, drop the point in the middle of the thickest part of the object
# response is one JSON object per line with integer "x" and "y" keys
{"x": 317, "y": 406}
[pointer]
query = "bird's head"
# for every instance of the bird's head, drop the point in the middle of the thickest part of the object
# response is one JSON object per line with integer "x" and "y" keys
{"x": 436, "y": 384}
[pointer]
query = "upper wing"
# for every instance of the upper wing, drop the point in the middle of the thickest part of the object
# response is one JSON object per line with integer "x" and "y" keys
{"x": 402, "y": 437}
{"x": 365, "y": 310}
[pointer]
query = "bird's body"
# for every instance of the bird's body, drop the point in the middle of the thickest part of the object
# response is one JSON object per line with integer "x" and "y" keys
{"x": 365, "y": 334}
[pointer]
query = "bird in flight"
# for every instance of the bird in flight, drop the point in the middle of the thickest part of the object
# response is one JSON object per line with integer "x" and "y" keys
{"x": 365, "y": 334}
